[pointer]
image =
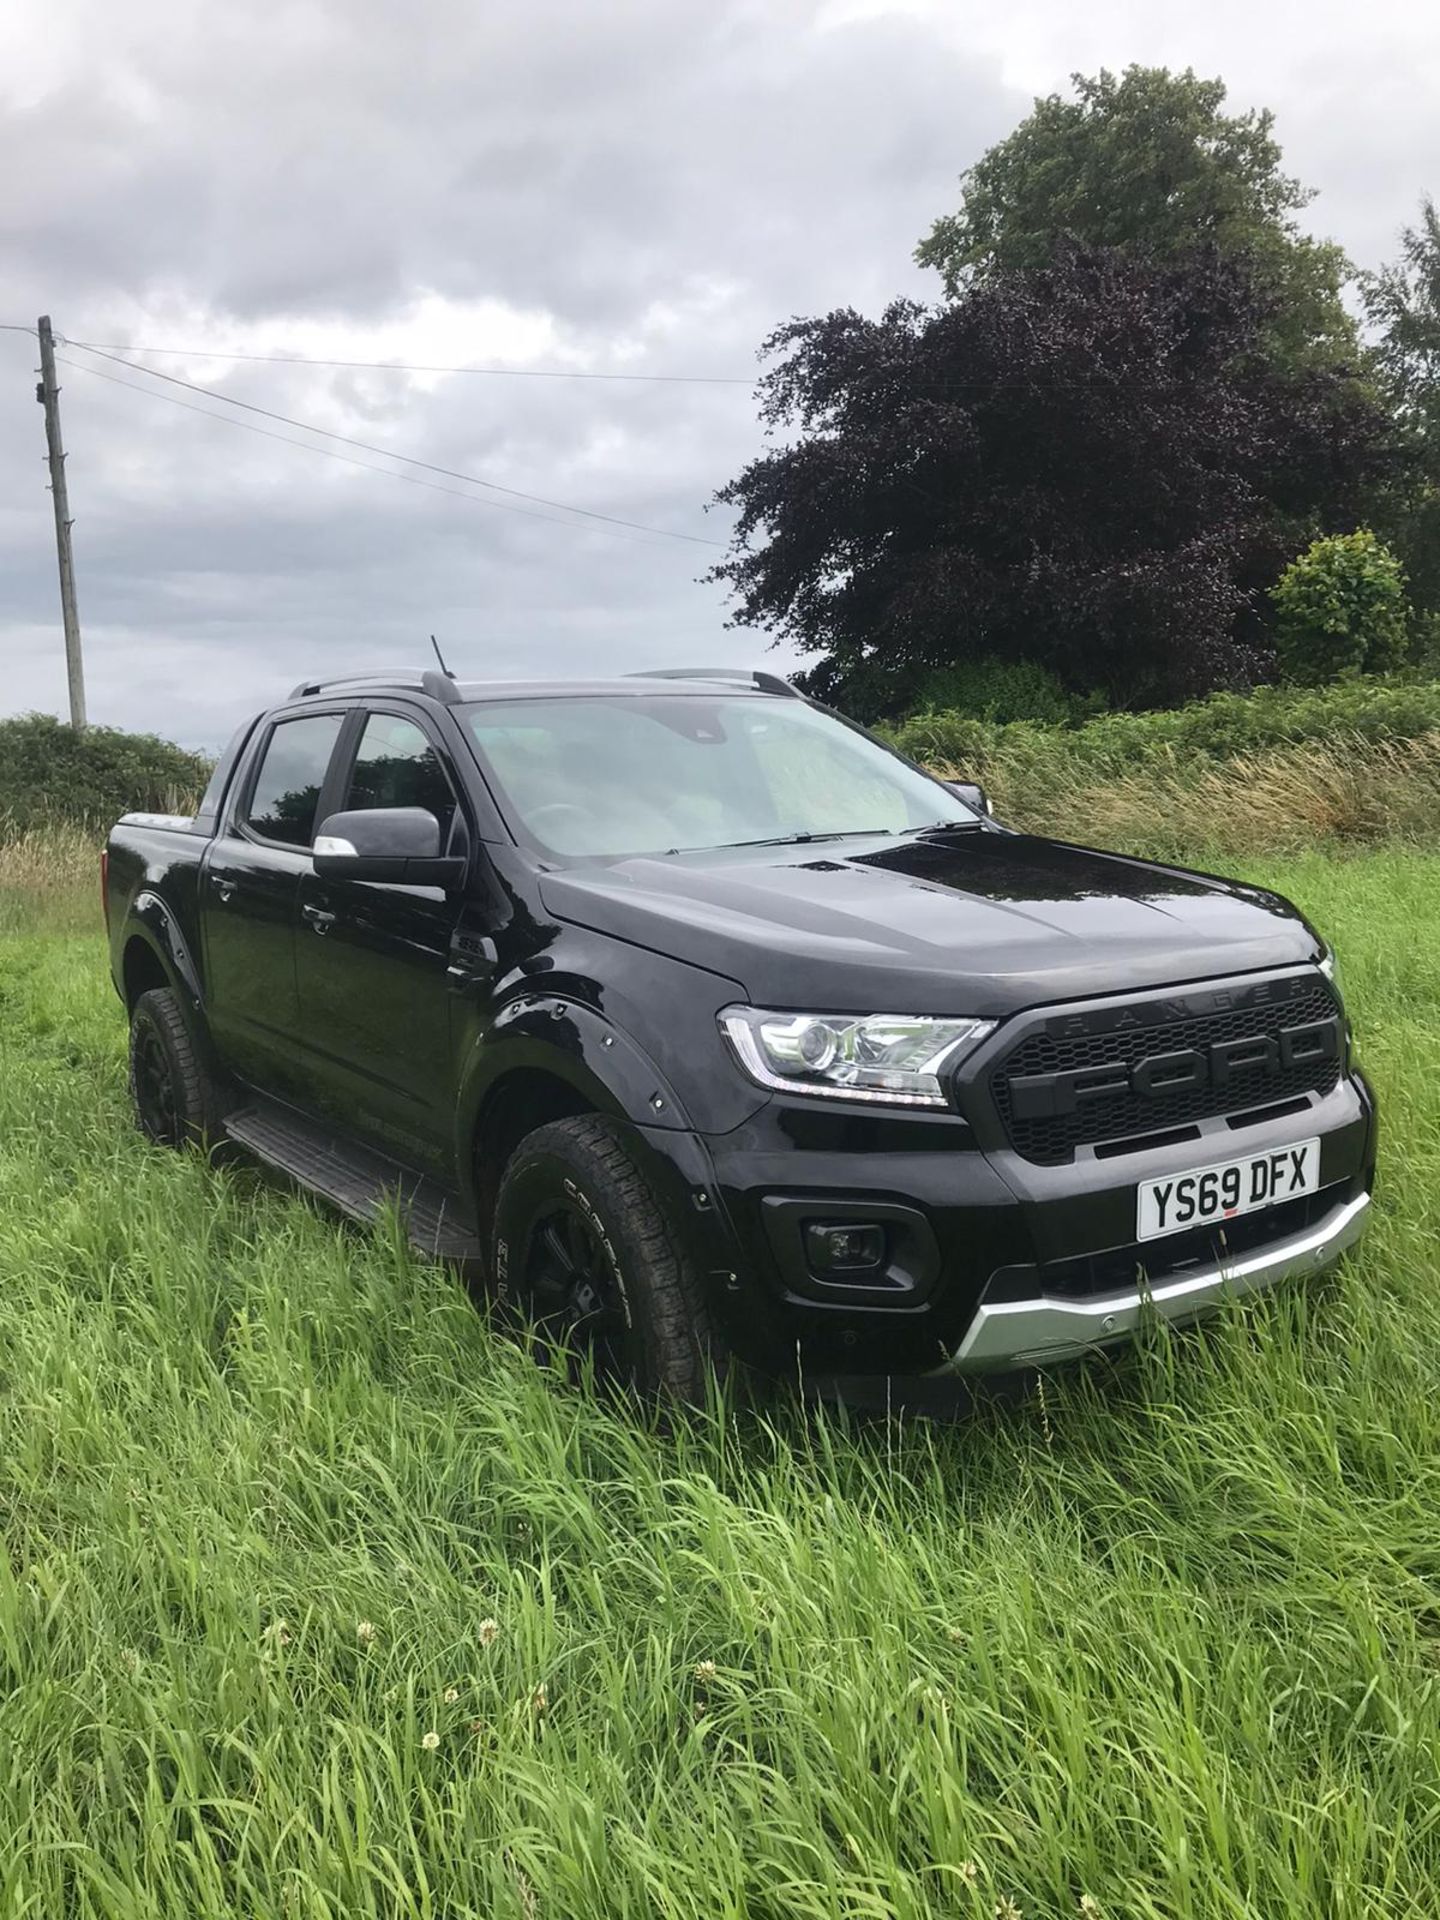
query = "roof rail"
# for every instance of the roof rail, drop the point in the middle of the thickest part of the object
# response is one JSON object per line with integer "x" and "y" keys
{"x": 750, "y": 676}
{"x": 439, "y": 686}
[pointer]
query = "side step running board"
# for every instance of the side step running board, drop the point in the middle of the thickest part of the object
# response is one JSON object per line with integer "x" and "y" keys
{"x": 354, "y": 1179}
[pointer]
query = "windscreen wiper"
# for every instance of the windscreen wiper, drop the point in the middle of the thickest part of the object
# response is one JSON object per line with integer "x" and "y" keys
{"x": 779, "y": 840}
{"x": 804, "y": 839}
{"x": 847, "y": 833}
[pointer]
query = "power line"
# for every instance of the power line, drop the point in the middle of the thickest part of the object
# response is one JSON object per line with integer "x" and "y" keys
{"x": 997, "y": 383}
{"x": 396, "y": 366}
{"x": 324, "y": 453}
{"x": 389, "y": 453}
{"x": 402, "y": 366}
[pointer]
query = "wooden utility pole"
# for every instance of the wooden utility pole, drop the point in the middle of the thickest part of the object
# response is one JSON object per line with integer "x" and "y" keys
{"x": 48, "y": 394}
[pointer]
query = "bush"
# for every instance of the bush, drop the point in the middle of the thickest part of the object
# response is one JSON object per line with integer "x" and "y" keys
{"x": 1394, "y": 708}
{"x": 1341, "y": 610}
{"x": 1001, "y": 690}
{"x": 50, "y": 774}
{"x": 1425, "y": 643}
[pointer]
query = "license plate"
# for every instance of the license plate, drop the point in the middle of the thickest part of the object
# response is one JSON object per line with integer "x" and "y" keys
{"x": 1210, "y": 1195}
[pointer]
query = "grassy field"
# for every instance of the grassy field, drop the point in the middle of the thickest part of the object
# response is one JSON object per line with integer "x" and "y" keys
{"x": 317, "y": 1599}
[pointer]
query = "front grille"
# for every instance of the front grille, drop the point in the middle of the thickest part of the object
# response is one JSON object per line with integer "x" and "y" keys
{"x": 1051, "y": 1140}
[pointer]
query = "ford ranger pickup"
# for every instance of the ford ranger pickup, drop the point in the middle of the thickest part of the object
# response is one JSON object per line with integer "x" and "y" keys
{"x": 710, "y": 1028}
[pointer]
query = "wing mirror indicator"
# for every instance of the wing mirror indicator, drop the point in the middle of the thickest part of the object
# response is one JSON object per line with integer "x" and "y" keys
{"x": 396, "y": 844}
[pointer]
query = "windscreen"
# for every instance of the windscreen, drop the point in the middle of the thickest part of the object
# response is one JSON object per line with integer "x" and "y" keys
{"x": 603, "y": 777}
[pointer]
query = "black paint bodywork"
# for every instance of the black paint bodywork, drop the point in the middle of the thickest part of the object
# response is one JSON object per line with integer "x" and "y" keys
{"x": 421, "y": 1023}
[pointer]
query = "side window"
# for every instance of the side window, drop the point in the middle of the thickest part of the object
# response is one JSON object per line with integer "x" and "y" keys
{"x": 396, "y": 766}
{"x": 292, "y": 772}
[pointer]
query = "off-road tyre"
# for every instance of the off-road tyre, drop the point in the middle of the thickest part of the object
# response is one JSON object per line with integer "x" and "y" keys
{"x": 658, "y": 1333}
{"x": 178, "y": 1101}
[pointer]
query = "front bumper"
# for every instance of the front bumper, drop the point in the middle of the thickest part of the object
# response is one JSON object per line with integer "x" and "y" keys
{"x": 1019, "y": 1263}
{"x": 1010, "y": 1334}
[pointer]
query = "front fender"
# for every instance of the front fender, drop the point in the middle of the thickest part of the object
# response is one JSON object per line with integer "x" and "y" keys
{"x": 551, "y": 1034}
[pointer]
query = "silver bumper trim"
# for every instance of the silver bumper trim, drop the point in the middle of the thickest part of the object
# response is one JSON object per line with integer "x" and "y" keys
{"x": 1039, "y": 1332}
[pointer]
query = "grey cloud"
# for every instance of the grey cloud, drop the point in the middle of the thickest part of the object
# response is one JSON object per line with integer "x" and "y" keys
{"x": 340, "y": 160}
{"x": 582, "y": 159}
{"x": 737, "y": 162}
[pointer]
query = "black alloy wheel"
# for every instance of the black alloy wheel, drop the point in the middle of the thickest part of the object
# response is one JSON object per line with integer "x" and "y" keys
{"x": 599, "y": 1266}
{"x": 574, "y": 1289}
{"x": 157, "y": 1103}
{"x": 178, "y": 1101}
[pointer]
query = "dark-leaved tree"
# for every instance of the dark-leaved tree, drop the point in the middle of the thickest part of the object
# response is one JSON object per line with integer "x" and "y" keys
{"x": 1092, "y": 465}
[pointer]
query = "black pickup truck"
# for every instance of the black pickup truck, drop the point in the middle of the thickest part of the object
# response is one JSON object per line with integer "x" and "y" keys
{"x": 712, "y": 1027}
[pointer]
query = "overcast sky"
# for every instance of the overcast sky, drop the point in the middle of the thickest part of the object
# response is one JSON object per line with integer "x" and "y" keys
{"x": 638, "y": 186}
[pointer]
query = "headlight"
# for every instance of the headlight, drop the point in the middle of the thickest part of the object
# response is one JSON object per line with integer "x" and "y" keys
{"x": 1329, "y": 965}
{"x": 890, "y": 1058}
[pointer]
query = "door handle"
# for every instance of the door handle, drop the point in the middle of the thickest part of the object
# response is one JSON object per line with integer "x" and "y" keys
{"x": 319, "y": 919}
{"x": 225, "y": 889}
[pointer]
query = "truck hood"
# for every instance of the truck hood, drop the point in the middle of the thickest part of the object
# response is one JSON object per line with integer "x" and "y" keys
{"x": 972, "y": 921}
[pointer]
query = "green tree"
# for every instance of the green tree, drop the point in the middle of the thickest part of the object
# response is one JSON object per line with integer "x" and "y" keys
{"x": 1402, "y": 304}
{"x": 1341, "y": 609}
{"x": 1147, "y": 163}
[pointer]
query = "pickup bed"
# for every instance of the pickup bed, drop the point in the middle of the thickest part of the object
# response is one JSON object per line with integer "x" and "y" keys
{"x": 712, "y": 1029}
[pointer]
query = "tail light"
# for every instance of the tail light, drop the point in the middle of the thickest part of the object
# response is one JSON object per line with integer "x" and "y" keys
{"x": 105, "y": 885}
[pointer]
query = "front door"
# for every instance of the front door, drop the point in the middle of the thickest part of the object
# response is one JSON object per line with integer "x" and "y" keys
{"x": 372, "y": 962}
{"x": 249, "y": 882}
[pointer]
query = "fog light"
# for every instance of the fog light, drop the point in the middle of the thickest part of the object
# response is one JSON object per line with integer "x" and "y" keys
{"x": 843, "y": 1247}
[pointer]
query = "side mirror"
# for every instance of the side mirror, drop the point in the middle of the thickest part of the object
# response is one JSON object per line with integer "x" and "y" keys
{"x": 386, "y": 843}
{"x": 972, "y": 794}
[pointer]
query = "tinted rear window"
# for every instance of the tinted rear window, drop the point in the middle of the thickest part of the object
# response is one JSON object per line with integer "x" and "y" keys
{"x": 292, "y": 772}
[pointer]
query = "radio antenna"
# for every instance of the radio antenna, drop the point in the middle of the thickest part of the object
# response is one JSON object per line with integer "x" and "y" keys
{"x": 441, "y": 658}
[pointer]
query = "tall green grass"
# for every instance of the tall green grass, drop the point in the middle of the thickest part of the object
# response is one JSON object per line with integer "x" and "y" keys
{"x": 1285, "y": 800}
{"x": 50, "y": 879}
{"x": 318, "y": 1599}
{"x": 1277, "y": 769}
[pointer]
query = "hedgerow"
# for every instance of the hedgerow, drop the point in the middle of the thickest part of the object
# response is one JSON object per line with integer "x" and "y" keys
{"x": 49, "y": 773}
{"x": 1226, "y": 724}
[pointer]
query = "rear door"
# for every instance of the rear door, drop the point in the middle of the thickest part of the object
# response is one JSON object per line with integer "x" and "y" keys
{"x": 249, "y": 895}
{"x": 372, "y": 959}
